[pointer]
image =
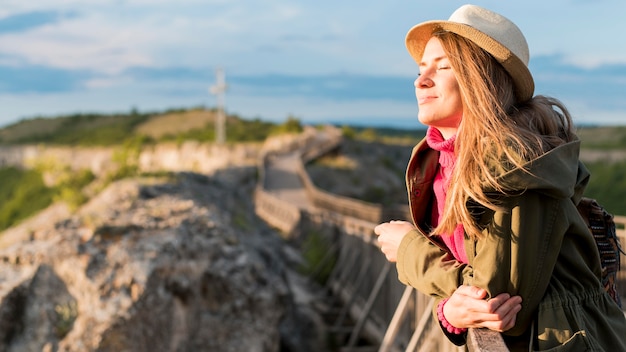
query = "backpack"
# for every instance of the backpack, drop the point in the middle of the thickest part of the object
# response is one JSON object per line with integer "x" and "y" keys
{"x": 602, "y": 227}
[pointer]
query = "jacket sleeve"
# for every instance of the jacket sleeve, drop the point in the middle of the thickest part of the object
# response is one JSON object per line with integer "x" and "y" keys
{"x": 431, "y": 270}
{"x": 427, "y": 267}
{"x": 518, "y": 251}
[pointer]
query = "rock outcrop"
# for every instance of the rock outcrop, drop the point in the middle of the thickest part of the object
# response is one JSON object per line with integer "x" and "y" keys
{"x": 179, "y": 264}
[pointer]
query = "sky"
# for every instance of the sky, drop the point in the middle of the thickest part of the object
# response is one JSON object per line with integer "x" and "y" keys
{"x": 319, "y": 61}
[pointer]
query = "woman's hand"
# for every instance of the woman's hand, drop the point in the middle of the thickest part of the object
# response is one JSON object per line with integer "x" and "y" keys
{"x": 467, "y": 308}
{"x": 390, "y": 234}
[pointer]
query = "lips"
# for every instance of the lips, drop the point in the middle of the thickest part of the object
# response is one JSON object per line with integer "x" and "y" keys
{"x": 425, "y": 99}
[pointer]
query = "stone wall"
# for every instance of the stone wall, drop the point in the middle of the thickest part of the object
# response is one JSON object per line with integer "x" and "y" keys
{"x": 202, "y": 158}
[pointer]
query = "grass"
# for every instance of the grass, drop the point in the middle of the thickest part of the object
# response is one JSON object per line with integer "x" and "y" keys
{"x": 22, "y": 194}
{"x": 608, "y": 185}
{"x": 66, "y": 314}
{"x": 319, "y": 260}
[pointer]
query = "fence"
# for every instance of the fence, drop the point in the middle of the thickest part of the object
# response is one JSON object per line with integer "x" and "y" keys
{"x": 384, "y": 312}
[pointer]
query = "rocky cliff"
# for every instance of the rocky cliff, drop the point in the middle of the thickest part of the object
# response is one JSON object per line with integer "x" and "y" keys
{"x": 176, "y": 264}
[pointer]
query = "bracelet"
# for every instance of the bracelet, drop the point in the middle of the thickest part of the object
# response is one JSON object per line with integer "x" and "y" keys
{"x": 445, "y": 323}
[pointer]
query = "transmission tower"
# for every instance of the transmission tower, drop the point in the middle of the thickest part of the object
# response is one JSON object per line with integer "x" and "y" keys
{"x": 219, "y": 90}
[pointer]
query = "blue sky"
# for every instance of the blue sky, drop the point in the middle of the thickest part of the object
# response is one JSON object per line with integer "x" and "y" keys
{"x": 320, "y": 61}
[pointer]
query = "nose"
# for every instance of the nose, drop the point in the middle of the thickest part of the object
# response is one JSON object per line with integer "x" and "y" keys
{"x": 422, "y": 81}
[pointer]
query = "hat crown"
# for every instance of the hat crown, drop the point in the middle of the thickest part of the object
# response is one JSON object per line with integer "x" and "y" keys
{"x": 495, "y": 26}
{"x": 492, "y": 32}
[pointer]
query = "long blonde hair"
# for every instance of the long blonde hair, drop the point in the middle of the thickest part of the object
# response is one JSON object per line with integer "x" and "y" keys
{"x": 494, "y": 127}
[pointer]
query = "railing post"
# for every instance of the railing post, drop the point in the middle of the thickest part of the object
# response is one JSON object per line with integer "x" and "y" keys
{"x": 421, "y": 326}
{"x": 396, "y": 320}
{"x": 368, "y": 305}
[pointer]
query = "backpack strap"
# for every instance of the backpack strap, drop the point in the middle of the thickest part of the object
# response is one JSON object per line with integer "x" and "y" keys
{"x": 602, "y": 227}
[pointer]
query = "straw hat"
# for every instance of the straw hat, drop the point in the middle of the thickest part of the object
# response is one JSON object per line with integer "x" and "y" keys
{"x": 493, "y": 32}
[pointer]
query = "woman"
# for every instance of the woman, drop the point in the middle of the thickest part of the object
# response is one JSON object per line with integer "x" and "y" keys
{"x": 496, "y": 237}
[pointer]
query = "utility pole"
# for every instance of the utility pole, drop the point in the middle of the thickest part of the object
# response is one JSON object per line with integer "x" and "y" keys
{"x": 219, "y": 89}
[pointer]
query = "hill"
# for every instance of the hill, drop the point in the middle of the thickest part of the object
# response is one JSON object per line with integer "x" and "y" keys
{"x": 603, "y": 137}
{"x": 115, "y": 129}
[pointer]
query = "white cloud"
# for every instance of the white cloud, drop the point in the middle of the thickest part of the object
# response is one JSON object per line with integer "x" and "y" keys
{"x": 110, "y": 36}
{"x": 107, "y": 82}
{"x": 80, "y": 43}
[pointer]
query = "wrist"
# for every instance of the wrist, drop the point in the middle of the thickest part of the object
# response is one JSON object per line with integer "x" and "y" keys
{"x": 445, "y": 323}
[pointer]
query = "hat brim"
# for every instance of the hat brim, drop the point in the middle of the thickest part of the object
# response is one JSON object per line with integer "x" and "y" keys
{"x": 418, "y": 36}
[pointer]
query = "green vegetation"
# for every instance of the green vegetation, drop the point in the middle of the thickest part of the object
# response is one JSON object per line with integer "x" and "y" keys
{"x": 291, "y": 125}
{"x": 22, "y": 194}
{"x": 603, "y": 138}
{"x": 319, "y": 258}
{"x": 74, "y": 130}
{"x": 126, "y": 158}
{"x": 608, "y": 185}
{"x": 237, "y": 130}
{"x": 70, "y": 189}
{"x": 608, "y": 179}
{"x": 388, "y": 135}
{"x": 66, "y": 314}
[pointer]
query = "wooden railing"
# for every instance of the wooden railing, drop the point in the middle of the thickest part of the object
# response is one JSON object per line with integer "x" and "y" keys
{"x": 385, "y": 312}
{"x": 345, "y": 206}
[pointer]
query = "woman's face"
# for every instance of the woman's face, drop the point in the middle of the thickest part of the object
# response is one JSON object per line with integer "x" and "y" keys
{"x": 437, "y": 91}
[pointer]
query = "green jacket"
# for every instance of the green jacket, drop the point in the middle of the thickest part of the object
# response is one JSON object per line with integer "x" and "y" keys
{"x": 540, "y": 249}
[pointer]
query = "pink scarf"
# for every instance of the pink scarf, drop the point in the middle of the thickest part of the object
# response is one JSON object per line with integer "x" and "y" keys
{"x": 447, "y": 160}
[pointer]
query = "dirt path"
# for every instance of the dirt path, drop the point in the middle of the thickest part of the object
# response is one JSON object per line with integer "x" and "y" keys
{"x": 282, "y": 180}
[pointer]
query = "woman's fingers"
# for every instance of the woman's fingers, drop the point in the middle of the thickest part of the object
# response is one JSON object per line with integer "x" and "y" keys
{"x": 390, "y": 234}
{"x": 467, "y": 308}
{"x": 471, "y": 292}
{"x": 504, "y": 318}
